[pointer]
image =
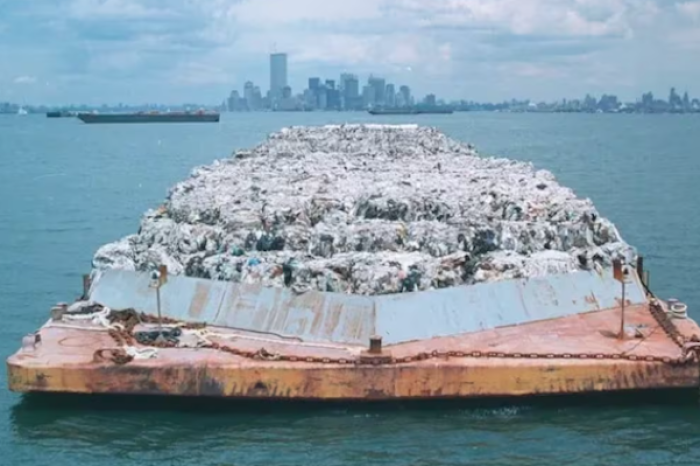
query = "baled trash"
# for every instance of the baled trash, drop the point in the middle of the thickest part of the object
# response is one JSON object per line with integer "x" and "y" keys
{"x": 368, "y": 209}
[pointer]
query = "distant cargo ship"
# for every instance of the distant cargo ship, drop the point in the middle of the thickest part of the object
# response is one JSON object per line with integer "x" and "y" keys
{"x": 151, "y": 117}
{"x": 410, "y": 111}
{"x": 60, "y": 114}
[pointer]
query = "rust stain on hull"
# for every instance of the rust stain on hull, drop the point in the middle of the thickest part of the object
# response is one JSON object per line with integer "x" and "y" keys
{"x": 569, "y": 353}
{"x": 337, "y": 383}
{"x": 54, "y": 366}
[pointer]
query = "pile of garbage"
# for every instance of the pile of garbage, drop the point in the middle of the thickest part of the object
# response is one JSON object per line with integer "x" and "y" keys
{"x": 368, "y": 209}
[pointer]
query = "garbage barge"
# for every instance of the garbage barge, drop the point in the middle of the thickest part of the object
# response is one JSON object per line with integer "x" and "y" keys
{"x": 364, "y": 262}
{"x": 142, "y": 334}
{"x": 199, "y": 116}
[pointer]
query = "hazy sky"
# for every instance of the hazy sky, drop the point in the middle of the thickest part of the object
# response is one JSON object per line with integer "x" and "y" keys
{"x": 61, "y": 51}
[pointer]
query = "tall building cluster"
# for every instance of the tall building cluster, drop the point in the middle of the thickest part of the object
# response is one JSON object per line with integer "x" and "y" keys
{"x": 346, "y": 93}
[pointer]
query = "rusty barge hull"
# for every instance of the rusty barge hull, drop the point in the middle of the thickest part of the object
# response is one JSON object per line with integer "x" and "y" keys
{"x": 549, "y": 336}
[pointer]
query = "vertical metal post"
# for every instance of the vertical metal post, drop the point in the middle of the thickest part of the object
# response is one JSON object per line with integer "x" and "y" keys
{"x": 620, "y": 274}
{"x": 159, "y": 279}
{"x": 622, "y": 313}
{"x": 162, "y": 280}
{"x": 160, "y": 317}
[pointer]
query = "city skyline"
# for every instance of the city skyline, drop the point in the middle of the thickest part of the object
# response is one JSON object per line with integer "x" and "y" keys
{"x": 349, "y": 94}
{"x": 320, "y": 93}
{"x": 606, "y": 103}
{"x": 91, "y": 51}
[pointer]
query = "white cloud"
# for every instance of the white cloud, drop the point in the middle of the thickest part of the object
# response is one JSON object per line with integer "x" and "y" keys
{"x": 95, "y": 9}
{"x": 273, "y": 13}
{"x": 530, "y": 70}
{"x": 116, "y": 61}
{"x": 24, "y": 80}
{"x": 686, "y": 41}
{"x": 691, "y": 10}
{"x": 196, "y": 49}
{"x": 197, "y": 73}
{"x": 591, "y": 18}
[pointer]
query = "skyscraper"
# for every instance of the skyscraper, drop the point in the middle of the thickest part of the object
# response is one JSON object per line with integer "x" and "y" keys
{"x": 249, "y": 95}
{"x": 390, "y": 96}
{"x": 379, "y": 85}
{"x": 350, "y": 91}
{"x": 314, "y": 84}
{"x": 405, "y": 95}
{"x": 278, "y": 76}
{"x": 369, "y": 96}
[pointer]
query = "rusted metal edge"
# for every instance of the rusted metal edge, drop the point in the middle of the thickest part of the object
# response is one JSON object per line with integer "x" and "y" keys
{"x": 434, "y": 380}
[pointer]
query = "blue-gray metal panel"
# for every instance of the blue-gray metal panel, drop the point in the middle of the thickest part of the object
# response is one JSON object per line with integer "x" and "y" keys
{"x": 184, "y": 298}
{"x": 465, "y": 309}
{"x": 311, "y": 316}
{"x": 344, "y": 318}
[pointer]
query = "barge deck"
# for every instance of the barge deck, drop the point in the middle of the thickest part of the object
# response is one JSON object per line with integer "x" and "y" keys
{"x": 551, "y": 335}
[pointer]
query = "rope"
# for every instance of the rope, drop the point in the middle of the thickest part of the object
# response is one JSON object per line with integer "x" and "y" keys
{"x": 101, "y": 318}
{"x": 204, "y": 335}
{"x": 51, "y": 324}
{"x": 97, "y": 318}
{"x": 141, "y": 353}
{"x": 201, "y": 336}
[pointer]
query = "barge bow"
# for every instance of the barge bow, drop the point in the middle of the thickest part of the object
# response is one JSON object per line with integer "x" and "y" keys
{"x": 551, "y": 335}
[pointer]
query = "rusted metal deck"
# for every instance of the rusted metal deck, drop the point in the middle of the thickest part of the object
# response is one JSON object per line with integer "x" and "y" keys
{"x": 553, "y": 335}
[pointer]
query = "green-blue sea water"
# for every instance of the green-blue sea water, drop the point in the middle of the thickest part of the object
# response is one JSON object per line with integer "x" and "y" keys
{"x": 66, "y": 188}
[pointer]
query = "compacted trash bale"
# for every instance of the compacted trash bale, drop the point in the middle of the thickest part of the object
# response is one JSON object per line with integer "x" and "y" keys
{"x": 368, "y": 209}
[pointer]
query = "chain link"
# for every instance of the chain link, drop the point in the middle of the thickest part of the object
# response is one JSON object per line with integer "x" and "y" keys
{"x": 667, "y": 326}
{"x": 130, "y": 318}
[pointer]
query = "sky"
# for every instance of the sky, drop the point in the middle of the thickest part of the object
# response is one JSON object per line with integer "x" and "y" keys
{"x": 173, "y": 51}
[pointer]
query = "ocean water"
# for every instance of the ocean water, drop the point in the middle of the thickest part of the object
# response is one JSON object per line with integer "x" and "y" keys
{"x": 66, "y": 188}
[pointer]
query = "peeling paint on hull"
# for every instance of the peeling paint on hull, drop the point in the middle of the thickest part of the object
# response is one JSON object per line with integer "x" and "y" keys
{"x": 59, "y": 363}
{"x": 507, "y": 339}
{"x": 402, "y": 382}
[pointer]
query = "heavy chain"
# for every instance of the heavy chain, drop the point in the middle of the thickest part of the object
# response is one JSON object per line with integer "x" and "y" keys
{"x": 128, "y": 319}
{"x": 667, "y": 326}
